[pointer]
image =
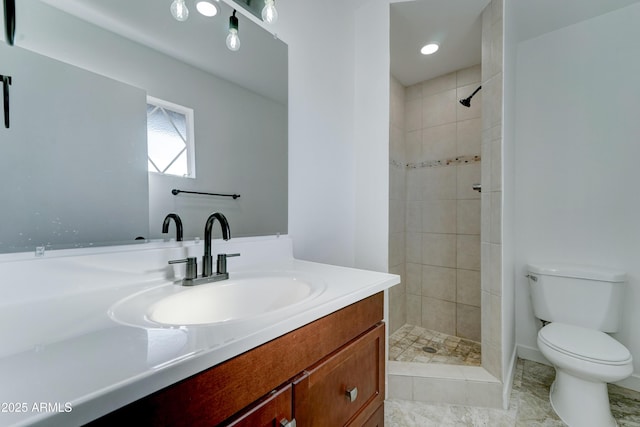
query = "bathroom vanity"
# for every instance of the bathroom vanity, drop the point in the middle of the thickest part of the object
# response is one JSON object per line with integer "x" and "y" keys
{"x": 86, "y": 342}
{"x": 327, "y": 373}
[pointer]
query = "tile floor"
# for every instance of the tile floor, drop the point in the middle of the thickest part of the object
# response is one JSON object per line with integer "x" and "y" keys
{"x": 416, "y": 344}
{"x": 529, "y": 406}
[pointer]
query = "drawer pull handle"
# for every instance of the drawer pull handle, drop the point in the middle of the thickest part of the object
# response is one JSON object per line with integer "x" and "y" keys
{"x": 286, "y": 423}
{"x": 352, "y": 394}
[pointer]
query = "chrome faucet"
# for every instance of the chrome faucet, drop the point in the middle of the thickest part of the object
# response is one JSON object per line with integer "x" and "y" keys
{"x": 177, "y": 220}
{"x": 191, "y": 278}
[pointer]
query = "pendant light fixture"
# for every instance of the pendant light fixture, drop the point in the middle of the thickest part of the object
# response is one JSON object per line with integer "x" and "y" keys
{"x": 233, "y": 40}
{"x": 179, "y": 10}
{"x": 269, "y": 12}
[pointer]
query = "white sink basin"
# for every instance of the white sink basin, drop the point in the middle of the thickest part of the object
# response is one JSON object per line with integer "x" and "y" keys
{"x": 230, "y": 300}
{"x": 242, "y": 297}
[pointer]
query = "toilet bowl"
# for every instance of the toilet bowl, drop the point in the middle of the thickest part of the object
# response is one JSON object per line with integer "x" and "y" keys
{"x": 580, "y": 305}
{"x": 585, "y": 361}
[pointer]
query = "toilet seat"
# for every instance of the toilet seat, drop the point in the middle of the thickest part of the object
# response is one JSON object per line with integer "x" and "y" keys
{"x": 584, "y": 344}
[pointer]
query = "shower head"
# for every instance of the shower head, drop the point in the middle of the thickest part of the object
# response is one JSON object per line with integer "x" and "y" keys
{"x": 467, "y": 101}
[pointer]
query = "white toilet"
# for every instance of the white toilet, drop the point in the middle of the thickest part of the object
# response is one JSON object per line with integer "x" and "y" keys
{"x": 582, "y": 305}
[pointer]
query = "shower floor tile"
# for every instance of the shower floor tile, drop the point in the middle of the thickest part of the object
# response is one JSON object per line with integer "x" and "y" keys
{"x": 416, "y": 344}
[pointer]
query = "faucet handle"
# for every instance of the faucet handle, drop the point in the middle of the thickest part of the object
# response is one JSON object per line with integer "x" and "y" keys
{"x": 192, "y": 266}
{"x": 222, "y": 262}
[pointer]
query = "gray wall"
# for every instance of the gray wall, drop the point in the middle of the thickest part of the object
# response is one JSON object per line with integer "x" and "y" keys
{"x": 64, "y": 168}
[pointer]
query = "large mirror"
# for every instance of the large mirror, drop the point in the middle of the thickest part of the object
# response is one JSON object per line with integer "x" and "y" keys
{"x": 73, "y": 162}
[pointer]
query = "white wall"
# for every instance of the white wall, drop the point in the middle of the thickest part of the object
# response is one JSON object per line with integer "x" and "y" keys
{"x": 577, "y": 147}
{"x": 321, "y": 149}
{"x": 372, "y": 135}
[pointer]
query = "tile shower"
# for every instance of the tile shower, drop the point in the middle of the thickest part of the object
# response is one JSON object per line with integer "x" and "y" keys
{"x": 435, "y": 146}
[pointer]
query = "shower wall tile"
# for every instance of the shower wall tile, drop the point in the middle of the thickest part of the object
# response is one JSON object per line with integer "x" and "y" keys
{"x": 496, "y": 165}
{"x": 467, "y": 76}
{"x": 439, "y": 315}
{"x": 439, "y": 108}
{"x": 414, "y": 309}
{"x": 414, "y": 248}
{"x": 414, "y": 278}
{"x": 413, "y": 144}
{"x": 439, "y": 282}
{"x": 439, "y": 84}
{"x": 467, "y": 176}
{"x": 413, "y": 92}
{"x": 439, "y": 250}
{"x": 468, "y": 287}
{"x": 468, "y": 251}
{"x": 439, "y": 216}
{"x": 492, "y": 89}
{"x": 468, "y": 216}
{"x": 496, "y": 217}
{"x": 450, "y": 208}
{"x": 397, "y": 252}
{"x": 396, "y": 216}
{"x": 468, "y": 137}
{"x": 414, "y": 216}
{"x": 468, "y": 322}
{"x": 474, "y": 111}
{"x": 413, "y": 114}
{"x": 397, "y": 204}
{"x": 440, "y": 183}
{"x": 439, "y": 142}
{"x": 495, "y": 269}
{"x": 415, "y": 184}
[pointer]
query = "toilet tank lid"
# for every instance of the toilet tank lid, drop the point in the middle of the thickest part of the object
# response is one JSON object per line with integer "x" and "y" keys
{"x": 578, "y": 271}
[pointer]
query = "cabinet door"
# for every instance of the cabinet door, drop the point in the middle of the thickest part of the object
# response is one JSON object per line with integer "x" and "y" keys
{"x": 346, "y": 388}
{"x": 274, "y": 409}
{"x": 376, "y": 420}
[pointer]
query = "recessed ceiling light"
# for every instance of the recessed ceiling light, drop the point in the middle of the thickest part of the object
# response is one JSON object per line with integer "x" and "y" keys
{"x": 206, "y": 8}
{"x": 430, "y": 48}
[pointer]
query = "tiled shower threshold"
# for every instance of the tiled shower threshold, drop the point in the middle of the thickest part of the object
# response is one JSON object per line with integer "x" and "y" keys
{"x": 430, "y": 366}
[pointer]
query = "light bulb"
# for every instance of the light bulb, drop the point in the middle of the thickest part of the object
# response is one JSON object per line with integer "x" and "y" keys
{"x": 179, "y": 10}
{"x": 269, "y": 12}
{"x": 233, "y": 40}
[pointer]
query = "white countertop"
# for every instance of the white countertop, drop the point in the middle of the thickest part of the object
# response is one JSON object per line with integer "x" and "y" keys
{"x": 65, "y": 361}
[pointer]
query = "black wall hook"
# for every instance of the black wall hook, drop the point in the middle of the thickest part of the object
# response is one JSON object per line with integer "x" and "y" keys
{"x": 10, "y": 20}
{"x": 6, "y": 81}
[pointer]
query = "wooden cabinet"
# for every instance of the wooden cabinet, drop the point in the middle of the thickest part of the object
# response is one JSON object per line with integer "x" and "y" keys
{"x": 276, "y": 409}
{"x": 327, "y": 373}
{"x": 347, "y": 387}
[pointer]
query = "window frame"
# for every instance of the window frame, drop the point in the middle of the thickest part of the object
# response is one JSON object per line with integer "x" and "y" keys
{"x": 190, "y": 143}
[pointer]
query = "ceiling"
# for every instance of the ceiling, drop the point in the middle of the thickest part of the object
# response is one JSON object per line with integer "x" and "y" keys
{"x": 457, "y": 26}
{"x": 199, "y": 41}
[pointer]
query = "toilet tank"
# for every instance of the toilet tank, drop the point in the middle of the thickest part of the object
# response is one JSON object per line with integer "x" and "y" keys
{"x": 578, "y": 295}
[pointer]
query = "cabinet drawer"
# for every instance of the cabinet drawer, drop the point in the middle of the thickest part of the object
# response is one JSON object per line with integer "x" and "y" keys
{"x": 345, "y": 387}
{"x": 276, "y": 407}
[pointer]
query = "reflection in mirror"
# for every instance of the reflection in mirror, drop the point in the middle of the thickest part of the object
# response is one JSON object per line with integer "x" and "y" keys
{"x": 74, "y": 161}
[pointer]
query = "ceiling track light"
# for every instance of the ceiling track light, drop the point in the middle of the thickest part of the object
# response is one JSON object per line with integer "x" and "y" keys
{"x": 269, "y": 12}
{"x": 233, "y": 40}
{"x": 179, "y": 10}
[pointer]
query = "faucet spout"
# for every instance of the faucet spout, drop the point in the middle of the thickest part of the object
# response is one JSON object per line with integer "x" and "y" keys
{"x": 207, "y": 259}
{"x": 177, "y": 220}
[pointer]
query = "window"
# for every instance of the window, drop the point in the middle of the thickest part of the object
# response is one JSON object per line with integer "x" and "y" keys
{"x": 170, "y": 146}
